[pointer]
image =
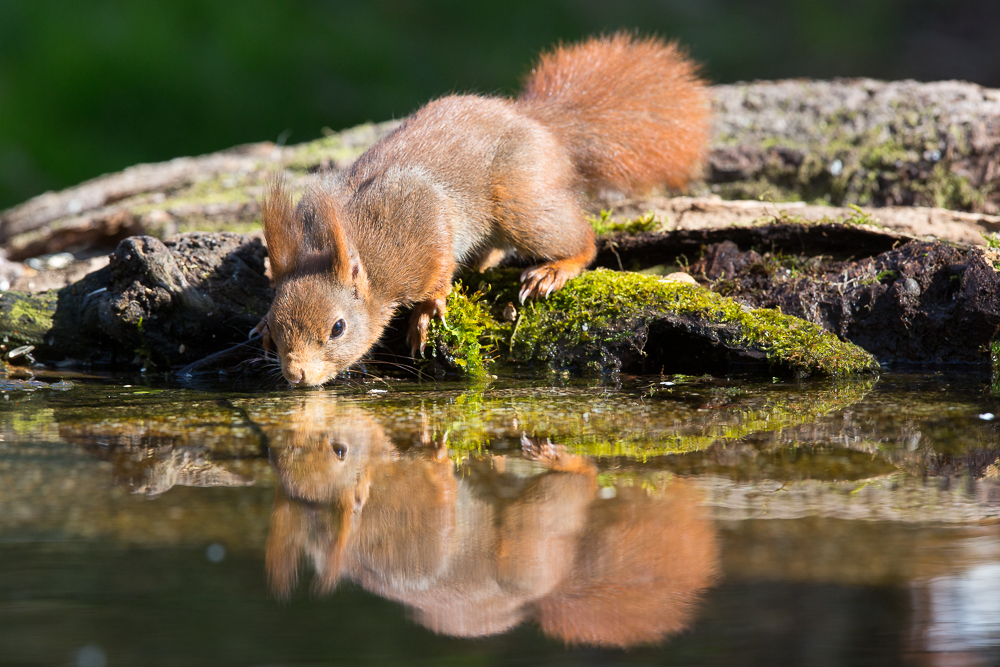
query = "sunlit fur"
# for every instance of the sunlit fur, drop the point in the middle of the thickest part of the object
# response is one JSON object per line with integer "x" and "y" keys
{"x": 469, "y": 179}
{"x": 322, "y": 494}
{"x": 319, "y": 278}
{"x": 305, "y": 308}
{"x": 632, "y": 110}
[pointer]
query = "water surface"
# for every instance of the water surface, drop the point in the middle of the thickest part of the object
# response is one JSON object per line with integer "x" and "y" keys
{"x": 660, "y": 520}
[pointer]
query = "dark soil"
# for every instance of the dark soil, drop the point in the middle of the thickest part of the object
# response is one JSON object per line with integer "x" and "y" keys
{"x": 163, "y": 304}
{"x": 923, "y": 302}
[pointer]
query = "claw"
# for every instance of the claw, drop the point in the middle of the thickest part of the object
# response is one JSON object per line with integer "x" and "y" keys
{"x": 416, "y": 337}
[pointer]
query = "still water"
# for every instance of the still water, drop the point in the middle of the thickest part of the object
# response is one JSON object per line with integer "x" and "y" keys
{"x": 648, "y": 521}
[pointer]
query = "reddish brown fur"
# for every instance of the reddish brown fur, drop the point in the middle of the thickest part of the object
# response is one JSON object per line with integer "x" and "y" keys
{"x": 282, "y": 235}
{"x": 467, "y": 180}
{"x": 643, "y": 564}
{"x": 632, "y": 110}
{"x": 477, "y": 551}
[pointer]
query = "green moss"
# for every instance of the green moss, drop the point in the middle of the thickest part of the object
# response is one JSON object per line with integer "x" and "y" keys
{"x": 467, "y": 335}
{"x": 26, "y": 318}
{"x": 946, "y": 189}
{"x": 885, "y": 164}
{"x": 338, "y": 148}
{"x": 202, "y": 194}
{"x": 603, "y": 224}
{"x": 603, "y": 312}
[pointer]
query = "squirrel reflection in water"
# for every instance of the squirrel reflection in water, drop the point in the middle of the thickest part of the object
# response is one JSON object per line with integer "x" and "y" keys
{"x": 502, "y": 540}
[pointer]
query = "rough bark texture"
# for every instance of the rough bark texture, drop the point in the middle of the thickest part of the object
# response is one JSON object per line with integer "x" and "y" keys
{"x": 155, "y": 303}
{"x": 211, "y": 192}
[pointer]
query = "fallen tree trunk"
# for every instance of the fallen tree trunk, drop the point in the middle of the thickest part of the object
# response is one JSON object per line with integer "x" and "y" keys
{"x": 899, "y": 144}
{"x": 163, "y": 305}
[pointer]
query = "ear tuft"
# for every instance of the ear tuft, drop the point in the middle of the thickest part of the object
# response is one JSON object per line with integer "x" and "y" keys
{"x": 281, "y": 233}
{"x": 330, "y": 232}
{"x": 359, "y": 278}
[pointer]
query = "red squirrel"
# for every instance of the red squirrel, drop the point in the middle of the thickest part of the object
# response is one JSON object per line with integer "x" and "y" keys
{"x": 468, "y": 180}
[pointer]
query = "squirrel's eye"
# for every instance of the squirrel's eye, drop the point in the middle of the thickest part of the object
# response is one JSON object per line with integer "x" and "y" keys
{"x": 340, "y": 451}
{"x": 338, "y": 329}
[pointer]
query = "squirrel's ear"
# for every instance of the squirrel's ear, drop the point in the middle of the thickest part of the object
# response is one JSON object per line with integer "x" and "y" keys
{"x": 361, "y": 492}
{"x": 357, "y": 276}
{"x": 282, "y": 235}
{"x": 344, "y": 262}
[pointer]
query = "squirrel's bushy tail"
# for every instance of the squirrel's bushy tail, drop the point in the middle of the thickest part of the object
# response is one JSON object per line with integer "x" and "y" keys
{"x": 632, "y": 111}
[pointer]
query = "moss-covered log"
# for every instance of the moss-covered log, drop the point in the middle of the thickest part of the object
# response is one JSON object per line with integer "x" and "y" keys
{"x": 165, "y": 305}
{"x": 859, "y": 141}
{"x": 920, "y": 302}
{"x": 611, "y": 321}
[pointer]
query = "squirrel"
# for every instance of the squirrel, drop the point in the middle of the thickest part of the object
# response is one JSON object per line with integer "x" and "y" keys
{"x": 481, "y": 546}
{"x": 467, "y": 180}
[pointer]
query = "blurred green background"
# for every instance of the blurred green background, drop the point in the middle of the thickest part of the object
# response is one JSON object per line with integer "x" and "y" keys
{"x": 88, "y": 87}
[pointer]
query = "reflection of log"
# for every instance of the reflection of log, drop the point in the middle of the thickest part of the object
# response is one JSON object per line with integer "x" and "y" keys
{"x": 897, "y": 497}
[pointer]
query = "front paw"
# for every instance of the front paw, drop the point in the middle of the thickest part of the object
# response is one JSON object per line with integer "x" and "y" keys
{"x": 420, "y": 322}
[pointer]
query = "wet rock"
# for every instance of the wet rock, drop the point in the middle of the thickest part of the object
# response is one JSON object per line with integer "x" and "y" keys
{"x": 156, "y": 303}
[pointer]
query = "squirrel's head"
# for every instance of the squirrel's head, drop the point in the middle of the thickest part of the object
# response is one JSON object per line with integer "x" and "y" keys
{"x": 322, "y": 319}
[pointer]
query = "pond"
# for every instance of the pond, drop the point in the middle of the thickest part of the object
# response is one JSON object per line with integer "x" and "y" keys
{"x": 636, "y": 520}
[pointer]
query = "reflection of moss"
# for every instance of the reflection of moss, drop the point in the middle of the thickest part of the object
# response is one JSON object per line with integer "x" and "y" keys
{"x": 141, "y": 417}
{"x": 669, "y": 420}
{"x": 602, "y": 310}
{"x": 744, "y": 463}
{"x": 28, "y": 420}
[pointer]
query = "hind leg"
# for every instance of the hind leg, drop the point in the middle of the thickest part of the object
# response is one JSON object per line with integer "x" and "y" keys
{"x": 539, "y": 214}
{"x": 564, "y": 238}
{"x": 544, "y": 279}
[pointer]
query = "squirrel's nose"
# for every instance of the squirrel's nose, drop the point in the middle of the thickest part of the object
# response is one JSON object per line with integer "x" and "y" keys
{"x": 294, "y": 375}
